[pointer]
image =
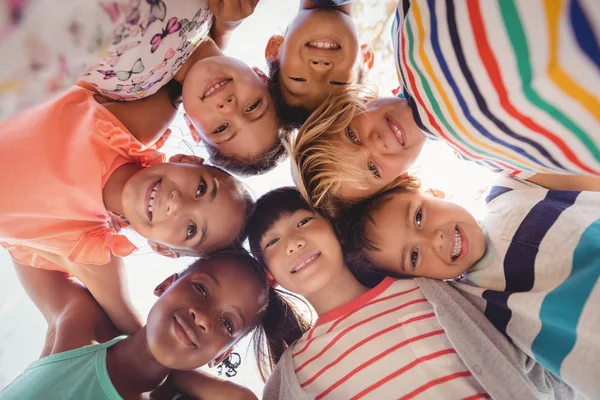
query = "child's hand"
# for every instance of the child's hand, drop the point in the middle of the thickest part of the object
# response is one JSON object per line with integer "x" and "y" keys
{"x": 232, "y": 11}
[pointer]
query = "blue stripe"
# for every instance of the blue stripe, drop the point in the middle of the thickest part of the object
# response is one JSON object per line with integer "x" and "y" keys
{"x": 519, "y": 262}
{"x": 562, "y": 308}
{"x": 461, "y": 101}
{"x": 584, "y": 33}
{"x": 495, "y": 192}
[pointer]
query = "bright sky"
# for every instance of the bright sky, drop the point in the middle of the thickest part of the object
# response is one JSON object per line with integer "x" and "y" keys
{"x": 23, "y": 329}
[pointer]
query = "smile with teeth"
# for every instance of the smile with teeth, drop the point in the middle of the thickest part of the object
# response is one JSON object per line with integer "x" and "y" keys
{"x": 305, "y": 262}
{"x": 457, "y": 244}
{"x": 324, "y": 44}
{"x": 397, "y": 132}
{"x": 216, "y": 87}
{"x": 151, "y": 201}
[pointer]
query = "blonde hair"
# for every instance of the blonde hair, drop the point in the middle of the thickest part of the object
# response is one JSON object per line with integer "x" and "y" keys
{"x": 318, "y": 166}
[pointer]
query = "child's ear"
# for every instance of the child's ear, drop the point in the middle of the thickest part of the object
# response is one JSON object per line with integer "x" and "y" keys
{"x": 163, "y": 250}
{"x": 195, "y": 135}
{"x": 368, "y": 55}
{"x": 219, "y": 359}
{"x": 272, "y": 49}
{"x": 261, "y": 74}
{"x": 271, "y": 279}
{"x": 164, "y": 285}
{"x": 186, "y": 159}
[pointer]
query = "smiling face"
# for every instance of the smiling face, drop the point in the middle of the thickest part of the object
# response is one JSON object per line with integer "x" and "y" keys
{"x": 203, "y": 313}
{"x": 383, "y": 141}
{"x": 189, "y": 208}
{"x": 318, "y": 55}
{"x": 302, "y": 252}
{"x": 229, "y": 105}
{"x": 423, "y": 236}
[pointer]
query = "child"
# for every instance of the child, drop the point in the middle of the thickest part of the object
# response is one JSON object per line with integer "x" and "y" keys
{"x": 73, "y": 163}
{"x": 532, "y": 266}
{"x": 318, "y": 54}
{"x": 48, "y": 45}
{"x": 399, "y": 339}
{"x": 199, "y": 316}
{"x": 488, "y": 95}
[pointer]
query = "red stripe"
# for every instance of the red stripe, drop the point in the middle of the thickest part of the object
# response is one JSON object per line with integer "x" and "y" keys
{"x": 477, "y": 396}
{"x": 351, "y": 327}
{"x": 403, "y": 370}
{"x": 432, "y": 121}
{"x": 380, "y": 356}
{"x": 367, "y": 339}
{"x": 436, "y": 382}
{"x": 491, "y": 65}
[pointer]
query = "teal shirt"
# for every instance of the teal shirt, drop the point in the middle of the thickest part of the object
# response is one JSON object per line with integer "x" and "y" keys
{"x": 76, "y": 374}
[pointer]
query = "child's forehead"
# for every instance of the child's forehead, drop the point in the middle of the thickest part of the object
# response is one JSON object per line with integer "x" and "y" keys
{"x": 286, "y": 219}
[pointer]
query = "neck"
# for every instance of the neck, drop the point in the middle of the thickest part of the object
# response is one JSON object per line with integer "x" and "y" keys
{"x": 206, "y": 49}
{"x": 132, "y": 368}
{"x": 113, "y": 189}
{"x": 341, "y": 290}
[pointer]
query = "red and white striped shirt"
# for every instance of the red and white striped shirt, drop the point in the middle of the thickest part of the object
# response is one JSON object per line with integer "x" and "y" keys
{"x": 385, "y": 344}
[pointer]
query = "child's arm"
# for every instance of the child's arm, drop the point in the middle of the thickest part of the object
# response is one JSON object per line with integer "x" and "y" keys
{"x": 229, "y": 14}
{"x": 346, "y": 8}
{"x": 566, "y": 182}
{"x": 108, "y": 285}
{"x": 200, "y": 385}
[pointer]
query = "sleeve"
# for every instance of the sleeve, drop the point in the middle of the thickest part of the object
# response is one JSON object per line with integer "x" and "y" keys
{"x": 155, "y": 40}
{"x": 46, "y": 45}
{"x": 23, "y": 255}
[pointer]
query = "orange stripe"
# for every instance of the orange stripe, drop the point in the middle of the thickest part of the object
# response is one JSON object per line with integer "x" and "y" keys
{"x": 367, "y": 339}
{"x": 436, "y": 382}
{"x": 351, "y": 327}
{"x": 379, "y": 357}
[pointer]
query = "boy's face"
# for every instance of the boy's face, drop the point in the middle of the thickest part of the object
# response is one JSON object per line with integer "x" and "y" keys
{"x": 203, "y": 313}
{"x": 186, "y": 206}
{"x": 384, "y": 141}
{"x": 318, "y": 55}
{"x": 229, "y": 105}
{"x": 423, "y": 236}
{"x": 302, "y": 252}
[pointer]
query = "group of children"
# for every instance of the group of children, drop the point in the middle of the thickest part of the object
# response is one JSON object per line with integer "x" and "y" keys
{"x": 414, "y": 297}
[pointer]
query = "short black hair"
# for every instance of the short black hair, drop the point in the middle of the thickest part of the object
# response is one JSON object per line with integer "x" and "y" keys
{"x": 269, "y": 208}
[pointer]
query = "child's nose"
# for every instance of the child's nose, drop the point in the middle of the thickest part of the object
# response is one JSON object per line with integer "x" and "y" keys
{"x": 201, "y": 319}
{"x": 437, "y": 241}
{"x": 173, "y": 203}
{"x": 227, "y": 104}
{"x": 320, "y": 65}
{"x": 295, "y": 245}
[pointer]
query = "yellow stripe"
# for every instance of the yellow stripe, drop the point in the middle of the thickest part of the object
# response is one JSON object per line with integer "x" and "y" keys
{"x": 431, "y": 74}
{"x": 556, "y": 73}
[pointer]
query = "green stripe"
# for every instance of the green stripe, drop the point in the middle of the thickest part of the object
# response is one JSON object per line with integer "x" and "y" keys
{"x": 436, "y": 107}
{"x": 518, "y": 40}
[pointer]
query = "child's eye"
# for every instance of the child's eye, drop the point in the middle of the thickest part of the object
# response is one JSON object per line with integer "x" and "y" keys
{"x": 419, "y": 216}
{"x": 201, "y": 289}
{"x": 414, "y": 257}
{"x": 352, "y": 136}
{"x": 298, "y": 79}
{"x": 229, "y": 326}
{"x": 221, "y": 128}
{"x": 303, "y": 222}
{"x": 254, "y": 106}
{"x": 272, "y": 242}
{"x": 191, "y": 231}
{"x": 373, "y": 168}
{"x": 201, "y": 189}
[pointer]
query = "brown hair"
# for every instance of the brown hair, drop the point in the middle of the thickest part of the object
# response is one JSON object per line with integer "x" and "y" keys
{"x": 318, "y": 167}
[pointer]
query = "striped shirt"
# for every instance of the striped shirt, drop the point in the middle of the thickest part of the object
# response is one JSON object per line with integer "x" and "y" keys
{"x": 385, "y": 344}
{"x": 511, "y": 84}
{"x": 538, "y": 281}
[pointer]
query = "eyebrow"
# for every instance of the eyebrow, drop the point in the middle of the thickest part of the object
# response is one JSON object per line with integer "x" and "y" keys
{"x": 213, "y": 278}
{"x": 407, "y": 223}
{"x": 204, "y": 231}
{"x": 237, "y": 310}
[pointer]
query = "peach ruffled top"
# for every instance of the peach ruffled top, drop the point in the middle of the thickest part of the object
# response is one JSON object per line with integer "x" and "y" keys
{"x": 55, "y": 160}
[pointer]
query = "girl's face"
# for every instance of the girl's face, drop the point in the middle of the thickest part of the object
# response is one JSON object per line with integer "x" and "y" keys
{"x": 229, "y": 105}
{"x": 187, "y": 207}
{"x": 302, "y": 252}
{"x": 200, "y": 315}
{"x": 384, "y": 141}
{"x": 423, "y": 236}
